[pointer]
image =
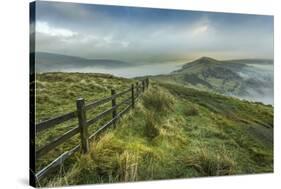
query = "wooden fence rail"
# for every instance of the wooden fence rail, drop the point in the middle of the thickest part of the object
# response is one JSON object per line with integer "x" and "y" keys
{"x": 81, "y": 114}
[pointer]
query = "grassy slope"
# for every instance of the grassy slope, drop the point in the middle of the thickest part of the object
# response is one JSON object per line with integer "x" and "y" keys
{"x": 174, "y": 132}
{"x": 56, "y": 94}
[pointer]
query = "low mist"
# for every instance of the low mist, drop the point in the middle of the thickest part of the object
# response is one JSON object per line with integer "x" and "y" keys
{"x": 128, "y": 72}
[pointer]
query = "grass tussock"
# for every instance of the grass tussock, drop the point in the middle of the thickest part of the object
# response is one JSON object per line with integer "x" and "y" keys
{"x": 158, "y": 100}
{"x": 209, "y": 163}
{"x": 151, "y": 128}
{"x": 190, "y": 111}
{"x": 128, "y": 166}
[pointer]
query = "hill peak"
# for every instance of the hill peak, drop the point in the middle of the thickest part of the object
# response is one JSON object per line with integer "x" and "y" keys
{"x": 198, "y": 64}
{"x": 205, "y": 59}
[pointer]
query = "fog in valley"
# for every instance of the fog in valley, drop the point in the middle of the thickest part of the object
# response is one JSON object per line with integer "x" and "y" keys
{"x": 260, "y": 83}
{"x": 257, "y": 85}
{"x": 130, "y": 72}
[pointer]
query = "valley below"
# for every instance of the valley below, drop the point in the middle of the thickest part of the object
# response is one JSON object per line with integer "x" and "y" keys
{"x": 249, "y": 79}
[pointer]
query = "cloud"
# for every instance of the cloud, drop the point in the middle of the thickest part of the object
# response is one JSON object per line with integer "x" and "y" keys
{"x": 65, "y": 41}
{"x": 200, "y": 30}
{"x": 43, "y": 27}
{"x": 142, "y": 35}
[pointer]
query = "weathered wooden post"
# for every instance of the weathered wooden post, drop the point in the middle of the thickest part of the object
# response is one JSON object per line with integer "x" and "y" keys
{"x": 113, "y": 105}
{"x": 137, "y": 89}
{"x": 82, "y": 120}
{"x": 143, "y": 85}
{"x": 133, "y": 96}
{"x": 147, "y": 82}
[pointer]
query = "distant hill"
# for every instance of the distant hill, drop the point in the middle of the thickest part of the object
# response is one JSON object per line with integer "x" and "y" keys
{"x": 246, "y": 78}
{"x": 50, "y": 62}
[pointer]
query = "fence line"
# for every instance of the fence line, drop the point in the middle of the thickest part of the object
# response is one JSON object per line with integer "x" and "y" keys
{"x": 81, "y": 114}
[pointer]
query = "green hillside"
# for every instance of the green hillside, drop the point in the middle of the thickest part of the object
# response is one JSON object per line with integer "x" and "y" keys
{"x": 56, "y": 94}
{"x": 173, "y": 132}
{"x": 247, "y": 78}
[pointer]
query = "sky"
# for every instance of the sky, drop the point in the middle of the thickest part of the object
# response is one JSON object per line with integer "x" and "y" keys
{"x": 148, "y": 35}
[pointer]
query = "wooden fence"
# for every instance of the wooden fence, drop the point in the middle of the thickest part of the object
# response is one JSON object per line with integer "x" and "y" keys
{"x": 81, "y": 114}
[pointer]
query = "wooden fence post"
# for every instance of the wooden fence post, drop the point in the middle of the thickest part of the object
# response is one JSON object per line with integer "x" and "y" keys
{"x": 133, "y": 96}
{"x": 113, "y": 92}
{"x": 143, "y": 85}
{"x": 137, "y": 89}
{"x": 82, "y": 120}
{"x": 147, "y": 82}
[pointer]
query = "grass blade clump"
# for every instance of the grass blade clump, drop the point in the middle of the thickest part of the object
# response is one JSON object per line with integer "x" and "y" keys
{"x": 158, "y": 100}
{"x": 209, "y": 163}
